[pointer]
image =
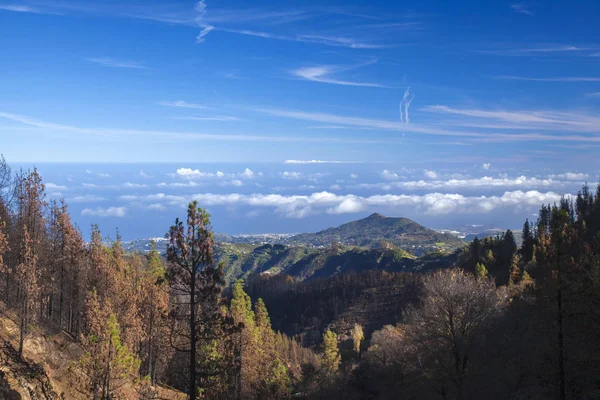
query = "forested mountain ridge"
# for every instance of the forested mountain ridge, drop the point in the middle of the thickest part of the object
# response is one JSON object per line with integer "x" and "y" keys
{"x": 372, "y": 243}
{"x": 375, "y": 229}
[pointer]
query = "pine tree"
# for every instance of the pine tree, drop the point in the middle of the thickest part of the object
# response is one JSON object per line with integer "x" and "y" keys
{"x": 357, "y": 338}
{"x": 154, "y": 308}
{"x": 275, "y": 383}
{"x": 528, "y": 242}
{"x": 107, "y": 365}
{"x": 28, "y": 285}
{"x": 331, "y": 354}
{"x": 3, "y": 244}
{"x": 247, "y": 342}
{"x": 515, "y": 271}
{"x": 198, "y": 322}
{"x": 481, "y": 270}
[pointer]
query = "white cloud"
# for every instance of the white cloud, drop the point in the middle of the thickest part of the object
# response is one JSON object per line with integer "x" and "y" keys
{"x": 178, "y": 184}
{"x": 200, "y": 21}
{"x": 348, "y": 205}
{"x": 182, "y": 104}
{"x": 537, "y": 50}
{"x": 291, "y": 175}
{"x": 522, "y": 8}
{"x": 570, "y": 176}
{"x": 52, "y": 187}
{"x": 387, "y": 174}
{"x": 485, "y": 182}
{"x": 247, "y": 173}
{"x": 299, "y": 206}
{"x": 221, "y": 118}
{"x": 554, "y": 79}
{"x": 142, "y": 174}
{"x": 156, "y": 207}
{"x": 134, "y": 185}
{"x": 324, "y": 74}
{"x": 233, "y": 182}
{"x": 196, "y": 173}
{"x": 19, "y": 8}
{"x": 335, "y": 41}
{"x": 189, "y": 173}
{"x": 110, "y": 62}
{"x": 486, "y": 166}
{"x": 88, "y": 198}
{"x": 354, "y": 176}
{"x": 105, "y": 212}
{"x": 405, "y": 105}
{"x": 541, "y": 119}
{"x": 430, "y": 174}
{"x": 312, "y": 116}
{"x": 98, "y": 174}
{"x": 593, "y": 94}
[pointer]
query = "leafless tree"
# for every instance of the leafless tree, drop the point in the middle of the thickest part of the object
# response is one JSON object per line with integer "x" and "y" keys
{"x": 455, "y": 310}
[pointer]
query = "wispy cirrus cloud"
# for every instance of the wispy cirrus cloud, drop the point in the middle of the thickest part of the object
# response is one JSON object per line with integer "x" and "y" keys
{"x": 111, "y": 62}
{"x": 552, "y": 79}
{"x": 119, "y": 133}
{"x": 320, "y": 162}
{"x": 19, "y": 8}
{"x": 548, "y": 50}
{"x": 544, "y": 119}
{"x": 221, "y": 118}
{"x": 183, "y": 104}
{"x": 335, "y": 41}
{"x": 474, "y": 135}
{"x": 522, "y": 8}
{"x": 325, "y": 74}
{"x": 236, "y": 21}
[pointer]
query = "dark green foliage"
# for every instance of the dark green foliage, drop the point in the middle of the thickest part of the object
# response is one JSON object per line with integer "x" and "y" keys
{"x": 495, "y": 254}
{"x": 370, "y": 298}
{"x": 528, "y": 242}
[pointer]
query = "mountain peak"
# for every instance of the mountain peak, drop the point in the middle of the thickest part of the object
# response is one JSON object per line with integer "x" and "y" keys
{"x": 376, "y": 216}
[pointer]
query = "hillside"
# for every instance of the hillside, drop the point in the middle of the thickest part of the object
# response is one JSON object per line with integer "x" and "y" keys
{"x": 373, "y": 243}
{"x": 366, "y": 286}
{"x": 43, "y": 372}
{"x": 375, "y": 229}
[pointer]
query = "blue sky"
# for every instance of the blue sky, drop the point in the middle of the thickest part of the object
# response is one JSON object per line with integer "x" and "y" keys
{"x": 483, "y": 93}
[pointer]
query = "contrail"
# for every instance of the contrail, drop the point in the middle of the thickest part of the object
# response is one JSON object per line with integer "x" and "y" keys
{"x": 408, "y": 98}
{"x": 201, "y": 10}
{"x": 404, "y": 106}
